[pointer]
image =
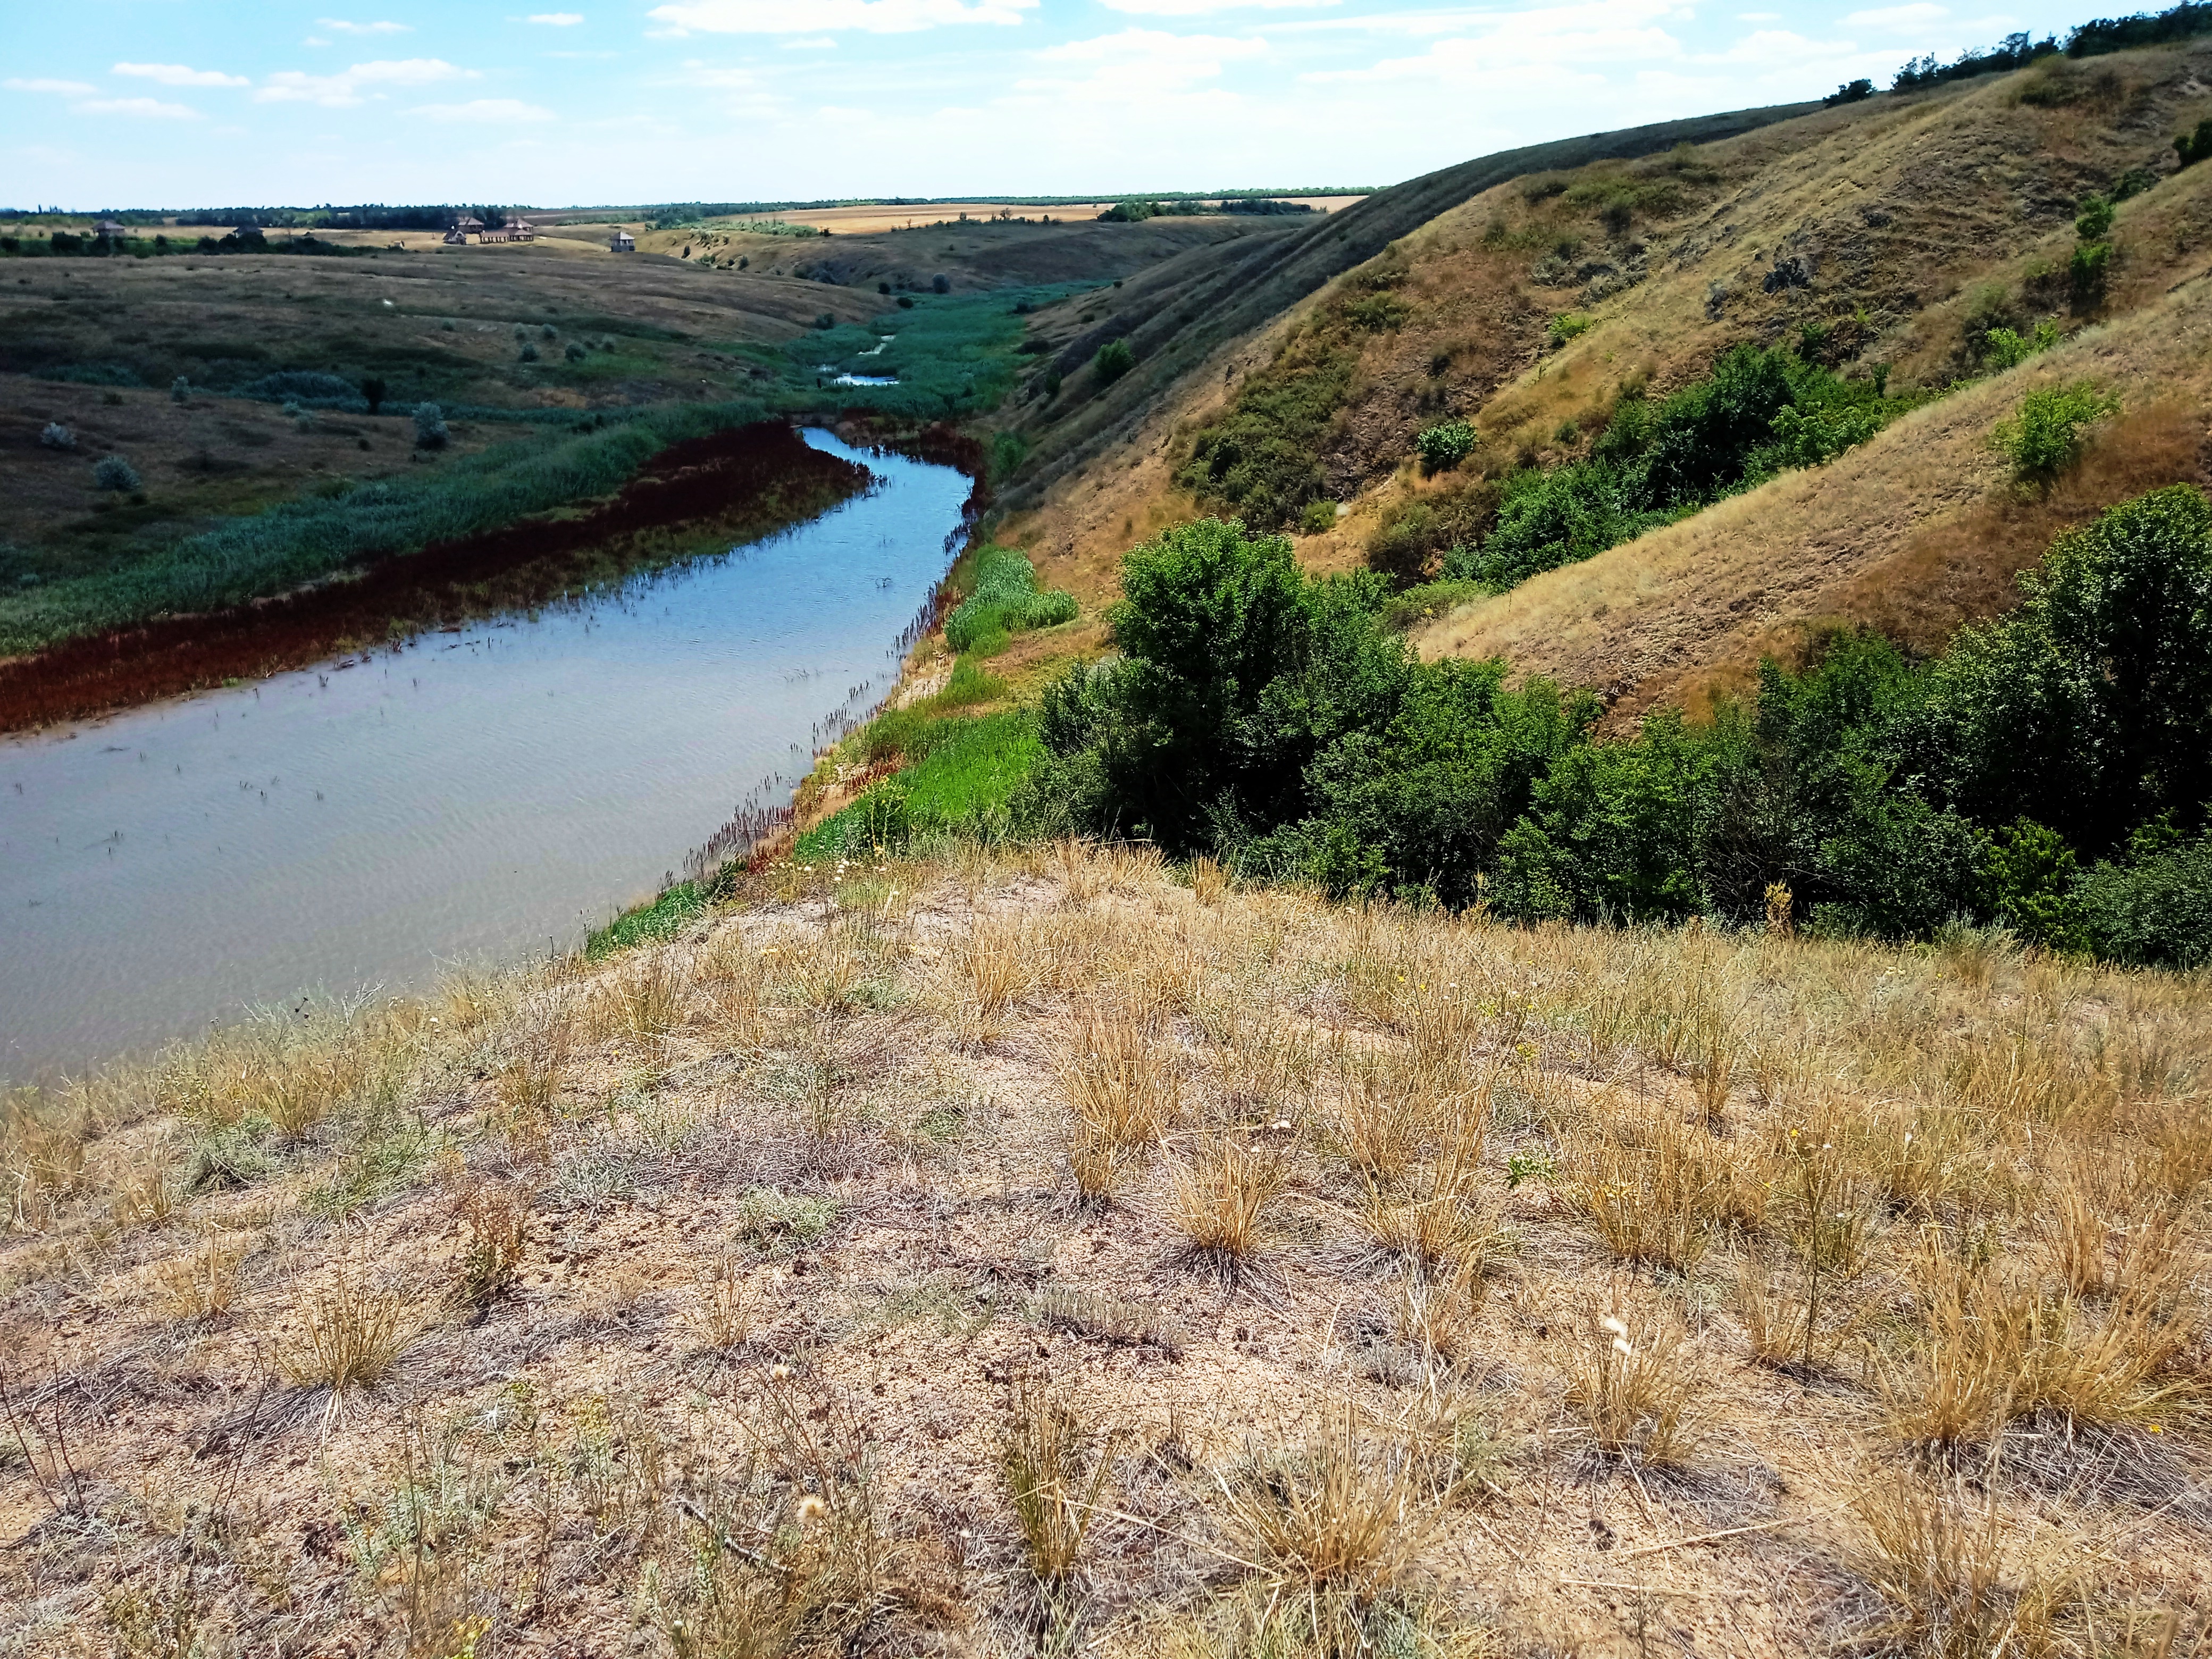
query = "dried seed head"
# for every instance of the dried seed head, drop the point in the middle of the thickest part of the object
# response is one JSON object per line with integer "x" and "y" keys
{"x": 1610, "y": 1323}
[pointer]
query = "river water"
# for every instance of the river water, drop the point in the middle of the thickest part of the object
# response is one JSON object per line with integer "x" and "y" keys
{"x": 477, "y": 795}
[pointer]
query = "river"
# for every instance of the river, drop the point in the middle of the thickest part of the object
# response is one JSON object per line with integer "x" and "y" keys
{"x": 473, "y": 796}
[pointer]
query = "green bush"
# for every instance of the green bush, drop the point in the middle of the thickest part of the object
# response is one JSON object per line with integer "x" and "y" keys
{"x": 2155, "y": 909}
{"x": 1262, "y": 457}
{"x": 1378, "y": 314}
{"x": 2085, "y": 273}
{"x": 429, "y": 426}
{"x": 113, "y": 472}
{"x": 2095, "y": 218}
{"x": 1567, "y": 326}
{"x": 1005, "y": 599}
{"x": 2195, "y": 147}
{"x": 1444, "y": 446}
{"x": 2002, "y": 348}
{"x": 2043, "y": 438}
{"x": 1317, "y": 517}
{"x": 1115, "y": 359}
{"x": 1277, "y": 722}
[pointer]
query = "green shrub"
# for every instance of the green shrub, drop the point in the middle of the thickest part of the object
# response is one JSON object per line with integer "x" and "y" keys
{"x": 1378, "y": 314}
{"x": 180, "y": 389}
{"x": 429, "y": 426}
{"x": 2030, "y": 871}
{"x": 2156, "y": 910}
{"x": 528, "y": 354}
{"x": 1275, "y": 722}
{"x": 1418, "y": 603}
{"x": 2043, "y": 438}
{"x": 1115, "y": 359}
{"x": 2095, "y": 218}
{"x": 1005, "y": 599}
{"x": 1262, "y": 457}
{"x": 2085, "y": 273}
{"x": 113, "y": 472}
{"x": 574, "y": 352}
{"x": 1567, "y": 326}
{"x": 1008, "y": 450}
{"x": 1407, "y": 533}
{"x": 2195, "y": 147}
{"x": 1445, "y": 445}
{"x": 1317, "y": 517}
{"x": 2002, "y": 348}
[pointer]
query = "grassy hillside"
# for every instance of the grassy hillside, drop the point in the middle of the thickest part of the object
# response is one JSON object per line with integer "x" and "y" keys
{"x": 1881, "y": 238}
{"x": 1041, "y": 1254}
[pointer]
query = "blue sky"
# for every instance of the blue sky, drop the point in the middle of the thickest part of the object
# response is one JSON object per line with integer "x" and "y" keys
{"x": 144, "y": 103}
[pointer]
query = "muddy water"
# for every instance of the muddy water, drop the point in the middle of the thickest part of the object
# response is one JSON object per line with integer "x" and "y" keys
{"x": 475, "y": 795}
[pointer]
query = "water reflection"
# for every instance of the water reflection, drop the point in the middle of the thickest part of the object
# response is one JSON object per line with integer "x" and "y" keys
{"x": 481, "y": 792}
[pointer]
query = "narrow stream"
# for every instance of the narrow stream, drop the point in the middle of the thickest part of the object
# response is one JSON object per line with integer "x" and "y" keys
{"x": 477, "y": 795}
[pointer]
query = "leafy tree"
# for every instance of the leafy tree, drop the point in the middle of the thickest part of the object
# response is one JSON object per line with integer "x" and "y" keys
{"x": 429, "y": 426}
{"x": 1444, "y": 446}
{"x": 1115, "y": 359}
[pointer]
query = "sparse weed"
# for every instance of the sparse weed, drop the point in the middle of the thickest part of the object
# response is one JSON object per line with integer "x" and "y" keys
{"x": 495, "y": 1226}
{"x": 1054, "y": 1495}
{"x": 201, "y": 1282}
{"x": 1635, "y": 1394}
{"x": 346, "y": 1336}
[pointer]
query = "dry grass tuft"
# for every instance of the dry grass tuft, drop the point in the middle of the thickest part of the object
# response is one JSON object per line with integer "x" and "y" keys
{"x": 1105, "y": 1319}
{"x": 203, "y": 1283}
{"x": 1939, "y": 1556}
{"x": 1219, "y": 1198}
{"x": 729, "y": 1306}
{"x": 347, "y": 1336}
{"x": 1656, "y": 1190}
{"x": 1053, "y": 1494}
{"x": 1636, "y": 1390}
{"x": 1337, "y": 1515}
{"x": 1123, "y": 1079}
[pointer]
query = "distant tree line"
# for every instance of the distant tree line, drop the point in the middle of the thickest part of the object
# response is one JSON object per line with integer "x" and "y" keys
{"x": 2093, "y": 38}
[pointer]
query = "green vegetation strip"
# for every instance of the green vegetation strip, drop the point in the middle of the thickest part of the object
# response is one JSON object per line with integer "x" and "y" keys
{"x": 2050, "y": 774}
{"x": 302, "y": 541}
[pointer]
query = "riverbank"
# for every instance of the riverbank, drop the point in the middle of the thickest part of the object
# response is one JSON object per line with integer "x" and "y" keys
{"x": 698, "y": 494}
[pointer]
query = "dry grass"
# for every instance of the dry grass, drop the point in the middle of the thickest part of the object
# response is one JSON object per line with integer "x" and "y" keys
{"x": 202, "y": 1282}
{"x": 1334, "y": 1520}
{"x": 1956, "y": 1585}
{"x": 1219, "y": 1197}
{"x": 1957, "y": 1193}
{"x": 1636, "y": 1387}
{"x": 1055, "y": 1470}
{"x": 346, "y": 1335}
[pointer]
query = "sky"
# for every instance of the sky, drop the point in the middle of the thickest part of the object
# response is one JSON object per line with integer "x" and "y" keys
{"x": 178, "y": 103}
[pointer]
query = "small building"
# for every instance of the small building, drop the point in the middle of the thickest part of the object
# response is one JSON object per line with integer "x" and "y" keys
{"x": 464, "y": 227}
{"x": 456, "y": 237}
{"x": 109, "y": 229}
{"x": 622, "y": 242}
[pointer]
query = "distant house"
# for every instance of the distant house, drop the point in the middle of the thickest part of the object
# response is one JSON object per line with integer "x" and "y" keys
{"x": 514, "y": 230}
{"x": 109, "y": 229}
{"x": 623, "y": 242}
{"x": 467, "y": 225}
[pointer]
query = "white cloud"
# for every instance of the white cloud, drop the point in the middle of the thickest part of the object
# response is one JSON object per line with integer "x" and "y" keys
{"x": 1135, "y": 67}
{"x": 314, "y": 41}
{"x": 557, "y": 20}
{"x": 485, "y": 109}
{"x": 67, "y": 88}
{"x": 819, "y": 42}
{"x": 339, "y": 26}
{"x": 345, "y": 89}
{"x": 1201, "y": 7}
{"x": 1897, "y": 17}
{"x": 176, "y": 75}
{"x": 1508, "y": 53}
{"x": 811, "y": 16}
{"x": 152, "y": 108}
